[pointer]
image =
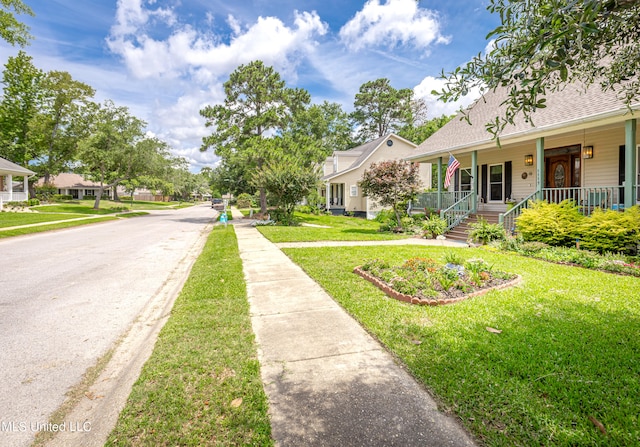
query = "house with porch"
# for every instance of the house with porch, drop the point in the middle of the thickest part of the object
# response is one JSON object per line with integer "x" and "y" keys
{"x": 75, "y": 185}
{"x": 582, "y": 146}
{"x": 9, "y": 190}
{"x": 344, "y": 169}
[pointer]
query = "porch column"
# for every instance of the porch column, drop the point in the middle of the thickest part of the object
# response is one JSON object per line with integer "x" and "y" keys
{"x": 25, "y": 186}
{"x": 439, "y": 183}
{"x": 10, "y": 188}
{"x": 327, "y": 193}
{"x": 540, "y": 180}
{"x": 474, "y": 171}
{"x": 630, "y": 163}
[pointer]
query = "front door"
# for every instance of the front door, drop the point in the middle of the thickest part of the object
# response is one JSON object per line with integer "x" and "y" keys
{"x": 559, "y": 172}
{"x": 562, "y": 173}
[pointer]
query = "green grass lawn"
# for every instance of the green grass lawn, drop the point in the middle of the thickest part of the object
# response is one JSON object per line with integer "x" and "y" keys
{"x": 15, "y": 219}
{"x": 107, "y": 206}
{"x": 341, "y": 228}
{"x": 567, "y": 359}
{"x": 81, "y": 207}
{"x": 202, "y": 384}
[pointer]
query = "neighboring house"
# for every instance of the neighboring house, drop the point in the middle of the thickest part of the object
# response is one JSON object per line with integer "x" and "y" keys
{"x": 9, "y": 191}
{"x": 582, "y": 147}
{"x": 75, "y": 185}
{"x": 344, "y": 169}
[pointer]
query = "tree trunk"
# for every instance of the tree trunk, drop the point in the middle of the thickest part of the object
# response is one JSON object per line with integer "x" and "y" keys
{"x": 96, "y": 205}
{"x": 395, "y": 209}
{"x": 263, "y": 201}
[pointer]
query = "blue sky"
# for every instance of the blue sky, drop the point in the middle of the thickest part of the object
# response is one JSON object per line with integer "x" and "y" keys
{"x": 166, "y": 59}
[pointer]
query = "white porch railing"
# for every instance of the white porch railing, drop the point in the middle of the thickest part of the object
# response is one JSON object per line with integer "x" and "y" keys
{"x": 430, "y": 199}
{"x": 14, "y": 196}
{"x": 587, "y": 198}
{"x": 457, "y": 212}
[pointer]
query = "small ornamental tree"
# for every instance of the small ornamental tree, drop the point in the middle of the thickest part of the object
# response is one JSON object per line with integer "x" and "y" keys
{"x": 391, "y": 183}
{"x": 287, "y": 181}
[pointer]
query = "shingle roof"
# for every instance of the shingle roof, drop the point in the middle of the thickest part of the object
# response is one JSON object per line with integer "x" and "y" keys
{"x": 9, "y": 167}
{"x": 363, "y": 152}
{"x": 569, "y": 106}
{"x": 70, "y": 180}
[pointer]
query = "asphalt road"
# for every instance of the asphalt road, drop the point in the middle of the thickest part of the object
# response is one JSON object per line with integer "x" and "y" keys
{"x": 67, "y": 297}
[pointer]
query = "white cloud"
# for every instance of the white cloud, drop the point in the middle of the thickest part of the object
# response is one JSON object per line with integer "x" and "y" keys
{"x": 391, "y": 24}
{"x": 190, "y": 65}
{"x": 436, "y": 107}
{"x": 186, "y": 51}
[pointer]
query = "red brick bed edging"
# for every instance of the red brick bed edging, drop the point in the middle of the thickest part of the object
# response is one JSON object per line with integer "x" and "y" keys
{"x": 430, "y": 302}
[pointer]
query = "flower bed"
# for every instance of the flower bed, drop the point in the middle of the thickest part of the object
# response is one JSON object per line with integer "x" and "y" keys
{"x": 424, "y": 281}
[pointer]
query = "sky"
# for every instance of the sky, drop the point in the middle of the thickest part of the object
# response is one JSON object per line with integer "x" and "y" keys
{"x": 167, "y": 59}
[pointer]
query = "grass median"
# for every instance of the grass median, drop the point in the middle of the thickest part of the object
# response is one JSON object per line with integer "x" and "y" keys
{"x": 53, "y": 226}
{"x": 202, "y": 384}
{"x": 564, "y": 370}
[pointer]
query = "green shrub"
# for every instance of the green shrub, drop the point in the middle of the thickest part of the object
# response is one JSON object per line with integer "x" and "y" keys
{"x": 385, "y": 216}
{"x": 33, "y": 202}
{"x": 551, "y": 223}
{"x": 244, "y": 200}
{"x": 45, "y": 192}
{"x": 433, "y": 226}
{"x": 308, "y": 209}
{"x": 387, "y": 220}
{"x": 611, "y": 231}
{"x": 407, "y": 223}
{"x": 485, "y": 232}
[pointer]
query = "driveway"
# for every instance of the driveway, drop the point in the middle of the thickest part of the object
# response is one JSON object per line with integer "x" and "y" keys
{"x": 69, "y": 297}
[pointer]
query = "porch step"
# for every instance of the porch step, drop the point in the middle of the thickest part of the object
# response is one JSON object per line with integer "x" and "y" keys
{"x": 461, "y": 232}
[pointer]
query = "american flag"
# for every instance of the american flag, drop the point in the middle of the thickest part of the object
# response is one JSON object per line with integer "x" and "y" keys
{"x": 451, "y": 169}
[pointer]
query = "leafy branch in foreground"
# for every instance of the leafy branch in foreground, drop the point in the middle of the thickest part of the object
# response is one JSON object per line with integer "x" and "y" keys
{"x": 543, "y": 45}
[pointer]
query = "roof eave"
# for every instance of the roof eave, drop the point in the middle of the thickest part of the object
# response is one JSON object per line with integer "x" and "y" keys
{"x": 609, "y": 117}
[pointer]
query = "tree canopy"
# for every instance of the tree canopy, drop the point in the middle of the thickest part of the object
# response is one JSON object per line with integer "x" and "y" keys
{"x": 542, "y": 45}
{"x": 18, "y": 107}
{"x": 380, "y": 109}
{"x": 12, "y": 30}
{"x": 257, "y": 105}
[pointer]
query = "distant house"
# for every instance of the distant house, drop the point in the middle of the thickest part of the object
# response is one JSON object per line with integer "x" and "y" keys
{"x": 75, "y": 185}
{"x": 9, "y": 191}
{"x": 582, "y": 147}
{"x": 343, "y": 170}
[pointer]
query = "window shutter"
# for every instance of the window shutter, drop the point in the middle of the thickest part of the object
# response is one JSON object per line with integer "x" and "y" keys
{"x": 507, "y": 180}
{"x": 485, "y": 180}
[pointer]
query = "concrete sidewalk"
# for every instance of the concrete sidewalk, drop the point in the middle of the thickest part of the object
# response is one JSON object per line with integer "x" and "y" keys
{"x": 329, "y": 383}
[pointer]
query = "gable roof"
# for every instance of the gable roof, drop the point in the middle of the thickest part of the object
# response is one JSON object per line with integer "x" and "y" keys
{"x": 574, "y": 105}
{"x": 363, "y": 152}
{"x": 8, "y": 167}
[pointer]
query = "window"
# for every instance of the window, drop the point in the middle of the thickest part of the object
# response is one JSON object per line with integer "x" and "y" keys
{"x": 465, "y": 180}
{"x": 495, "y": 182}
{"x": 89, "y": 192}
{"x": 353, "y": 191}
